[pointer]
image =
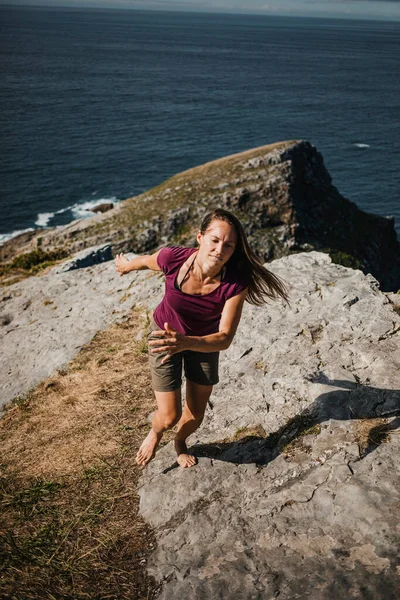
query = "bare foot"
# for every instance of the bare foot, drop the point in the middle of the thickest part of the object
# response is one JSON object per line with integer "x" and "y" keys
{"x": 184, "y": 458}
{"x": 148, "y": 448}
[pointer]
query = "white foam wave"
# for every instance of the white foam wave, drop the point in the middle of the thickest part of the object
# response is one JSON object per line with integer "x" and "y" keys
{"x": 359, "y": 145}
{"x": 43, "y": 219}
{"x": 4, "y": 237}
{"x": 85, "y": 209}
{"x": 63, "y": 210}
{"x": 79, "y": 211}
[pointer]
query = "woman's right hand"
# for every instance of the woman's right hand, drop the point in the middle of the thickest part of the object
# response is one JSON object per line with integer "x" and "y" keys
{"x": 121, "y": 263}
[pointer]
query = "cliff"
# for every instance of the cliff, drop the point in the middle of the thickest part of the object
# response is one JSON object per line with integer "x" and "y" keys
{"x": 282, "y": 193}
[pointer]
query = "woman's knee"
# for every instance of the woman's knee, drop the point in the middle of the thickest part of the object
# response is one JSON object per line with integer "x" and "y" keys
{"x": 195, "y": 414}
{"x": 169, "y": 408}
{"x": 168, "y": 420}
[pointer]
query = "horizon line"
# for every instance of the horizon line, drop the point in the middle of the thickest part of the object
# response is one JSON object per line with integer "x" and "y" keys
{"x": 202, "y": 12}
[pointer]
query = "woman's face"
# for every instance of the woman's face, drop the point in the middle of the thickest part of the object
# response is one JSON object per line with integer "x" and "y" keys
{"x": 218, "y": 243}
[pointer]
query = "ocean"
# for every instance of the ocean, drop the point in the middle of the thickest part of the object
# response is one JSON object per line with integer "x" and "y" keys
{"x": 100, "y": 105}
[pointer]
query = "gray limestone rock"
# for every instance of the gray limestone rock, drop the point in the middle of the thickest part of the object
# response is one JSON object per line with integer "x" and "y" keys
{"x": 45, "y": 320}
{"x": 87, "y": 258}
{"x": 298, "y": 508}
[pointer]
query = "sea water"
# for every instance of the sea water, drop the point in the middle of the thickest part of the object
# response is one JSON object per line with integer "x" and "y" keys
{"x": 101, "y": 105}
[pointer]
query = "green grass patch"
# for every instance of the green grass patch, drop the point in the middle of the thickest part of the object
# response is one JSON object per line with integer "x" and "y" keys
{"x": 28, "y": 499}
{"x": 342, "y": 258}
{"x": 37, "y": 259}
{"x": 31, "y": 263}
{"x": 73, "y": 538}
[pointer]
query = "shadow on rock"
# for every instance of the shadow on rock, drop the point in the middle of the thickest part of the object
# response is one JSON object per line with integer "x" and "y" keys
{"x": 351, "y": 401}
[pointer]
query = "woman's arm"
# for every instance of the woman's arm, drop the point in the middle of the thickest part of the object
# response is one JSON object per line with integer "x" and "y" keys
{"x": 146, "y": 261}
{"x": 172, "y": 342}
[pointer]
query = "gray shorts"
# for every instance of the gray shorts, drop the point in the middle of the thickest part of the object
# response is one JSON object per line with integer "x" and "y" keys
{"x": 200, "y": 367}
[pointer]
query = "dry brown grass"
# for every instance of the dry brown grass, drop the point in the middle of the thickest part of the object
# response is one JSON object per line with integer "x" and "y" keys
{"x": 233, "y": 158}
{"x": 370, "y": 433}
{"x": 69, "y": 508}
{"x": 248, "y": 433}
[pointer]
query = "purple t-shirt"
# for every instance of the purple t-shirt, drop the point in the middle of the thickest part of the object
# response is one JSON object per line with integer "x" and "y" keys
{"x": 187, "y": 313}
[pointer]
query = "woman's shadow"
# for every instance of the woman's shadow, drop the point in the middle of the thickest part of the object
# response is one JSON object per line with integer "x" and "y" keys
{"x": 351, "y": 401}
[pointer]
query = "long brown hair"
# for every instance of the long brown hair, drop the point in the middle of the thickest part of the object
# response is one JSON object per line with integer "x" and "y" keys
{"x": 262, "y": 283}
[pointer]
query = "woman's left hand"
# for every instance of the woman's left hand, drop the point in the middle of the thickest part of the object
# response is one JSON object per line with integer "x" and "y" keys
{"x": 171, "y": 341}
{"x": 121, "y": 264}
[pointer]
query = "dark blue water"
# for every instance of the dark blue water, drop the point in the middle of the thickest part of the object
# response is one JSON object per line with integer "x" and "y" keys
{"x": 103, "y": 104}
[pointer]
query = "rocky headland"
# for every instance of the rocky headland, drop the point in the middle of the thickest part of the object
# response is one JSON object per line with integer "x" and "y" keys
{"x": 296, "y": 490}
{"x": 282, "y": 193}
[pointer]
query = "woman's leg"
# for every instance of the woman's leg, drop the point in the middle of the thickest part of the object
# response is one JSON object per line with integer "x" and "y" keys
{"x": 193, "y": 413}
{"x": 166, "y": 416}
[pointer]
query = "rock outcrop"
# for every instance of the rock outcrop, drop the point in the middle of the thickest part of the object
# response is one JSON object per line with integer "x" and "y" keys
{"x": 102, "y": 208}
{"x": 282, "y": 193}
{"x": 87, "y": 258}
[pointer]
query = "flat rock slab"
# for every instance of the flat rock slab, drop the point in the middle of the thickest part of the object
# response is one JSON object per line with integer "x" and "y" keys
{"x": 306, "y": 505}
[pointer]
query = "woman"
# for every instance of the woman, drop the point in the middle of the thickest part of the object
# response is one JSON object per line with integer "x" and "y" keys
{"x": 205, "y": 290}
